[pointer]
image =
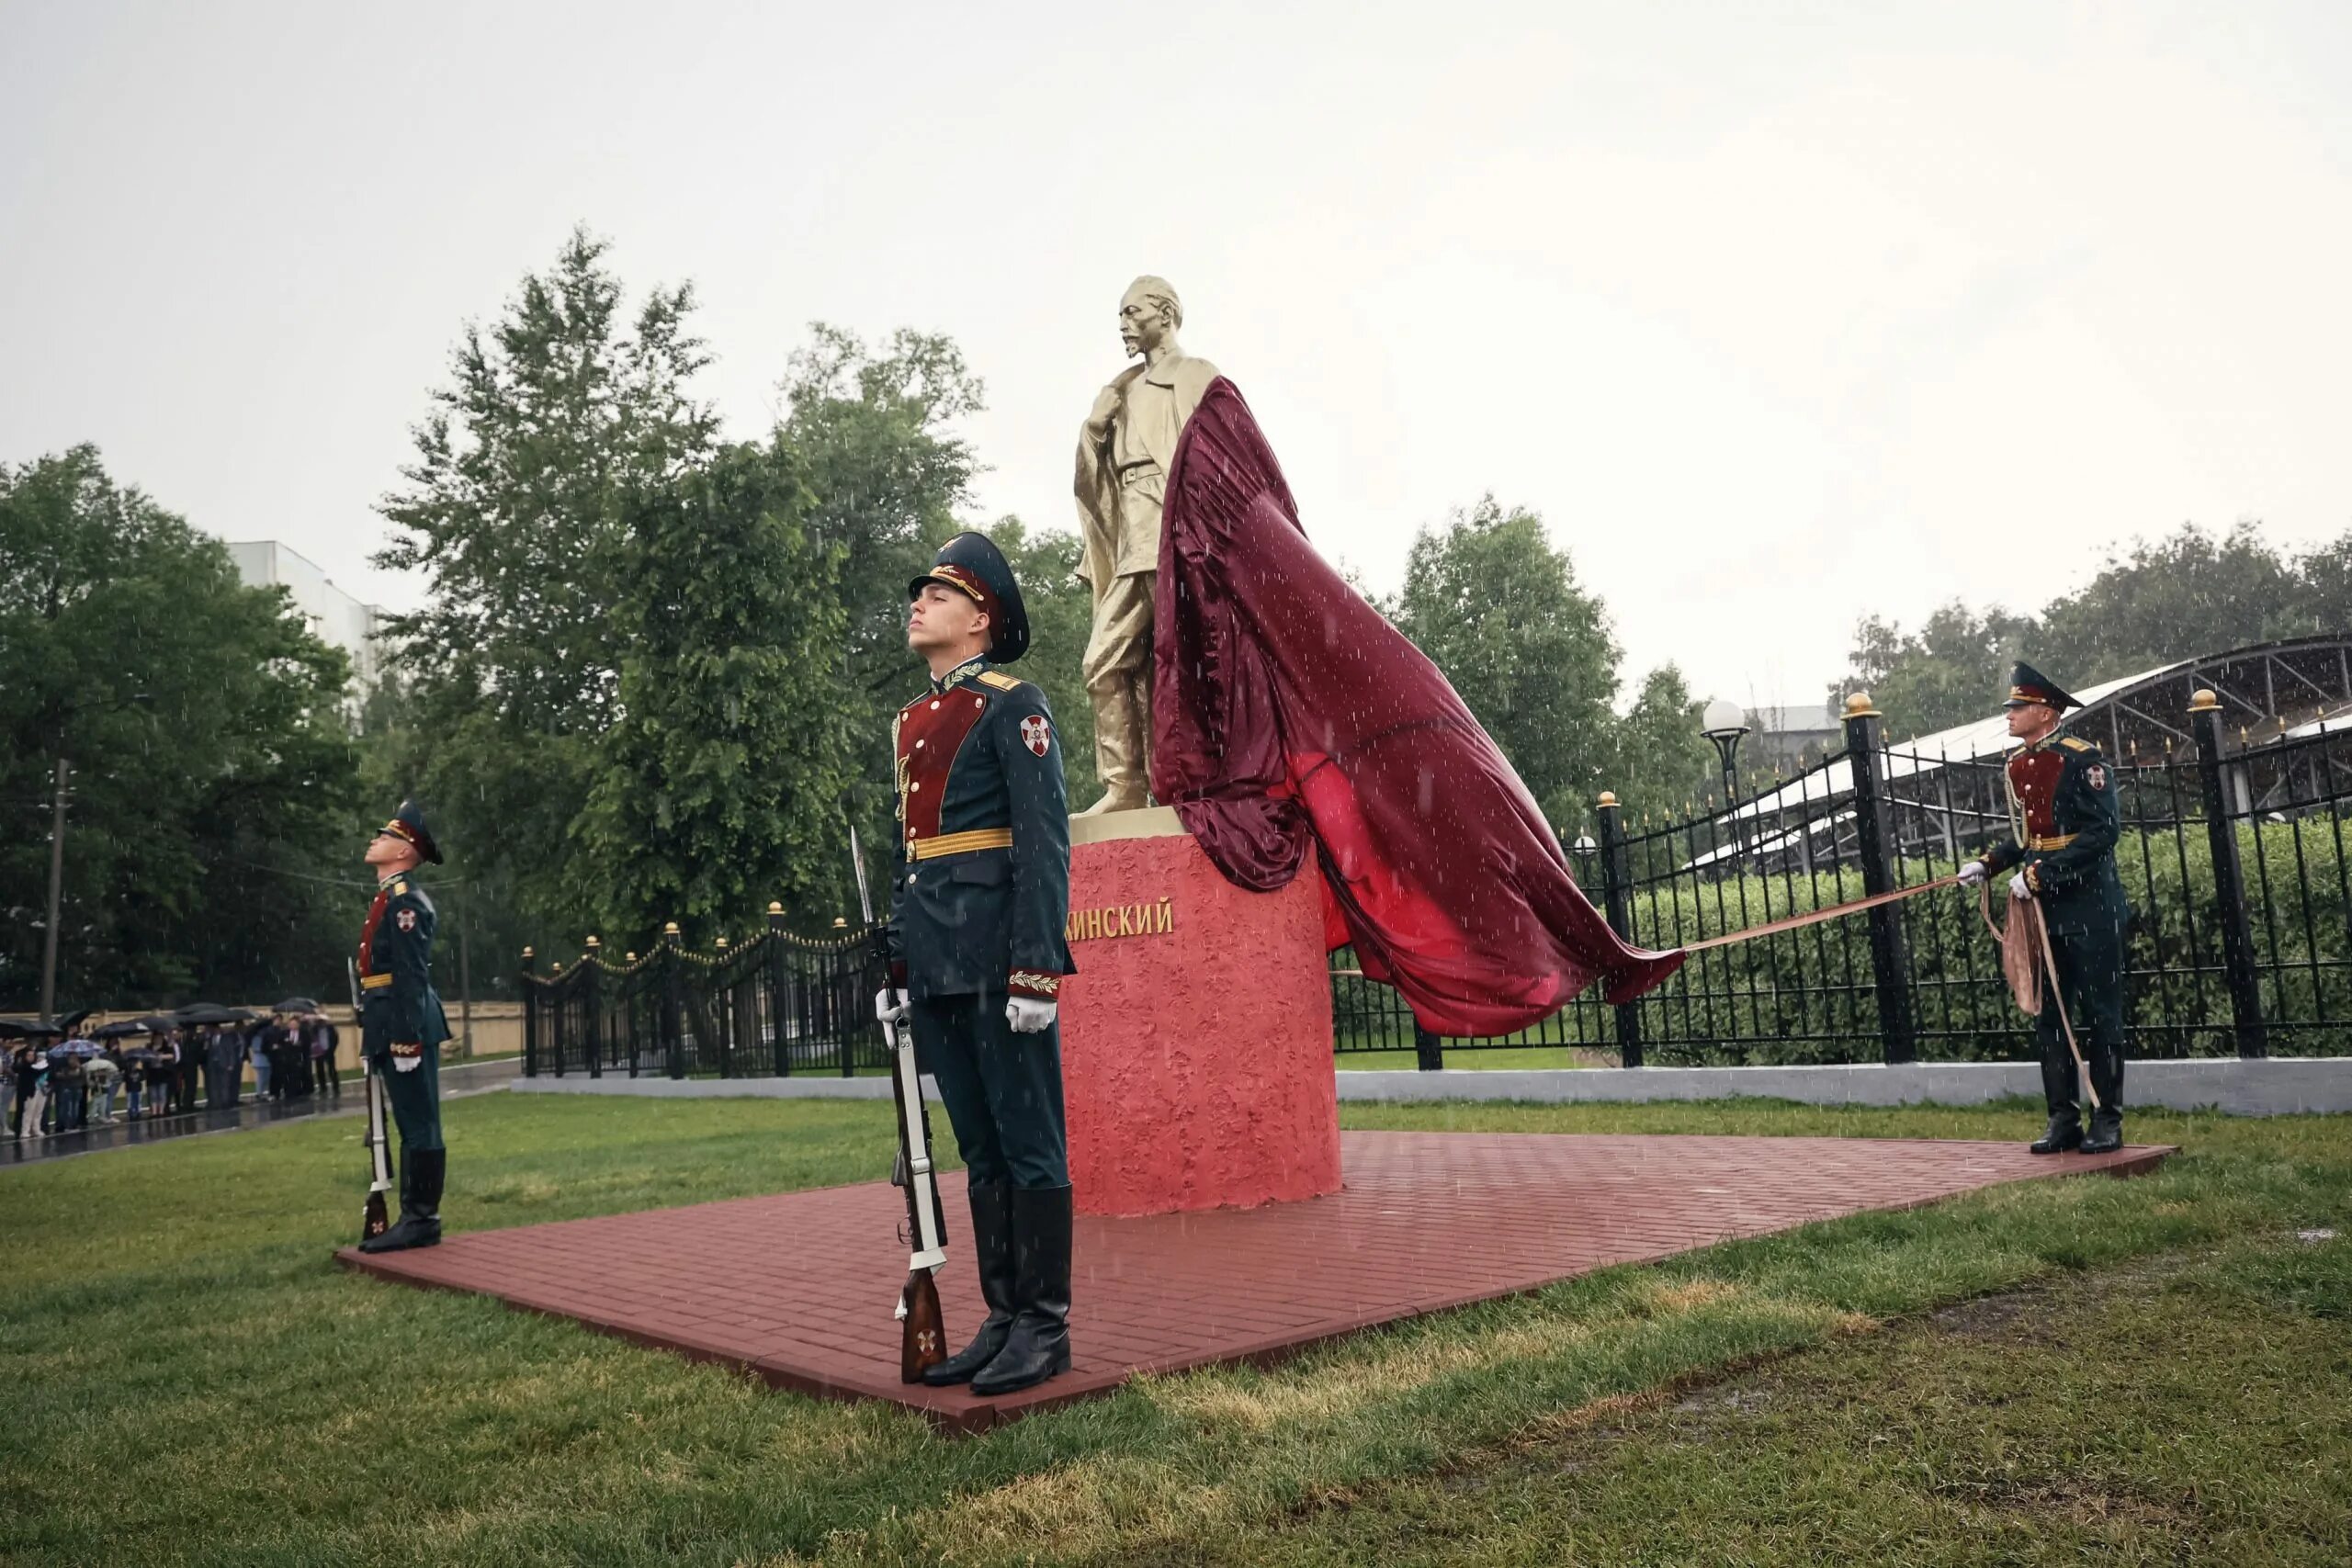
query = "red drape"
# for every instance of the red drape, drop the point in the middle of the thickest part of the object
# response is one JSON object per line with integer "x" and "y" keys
{"x": 1287, "y": 715}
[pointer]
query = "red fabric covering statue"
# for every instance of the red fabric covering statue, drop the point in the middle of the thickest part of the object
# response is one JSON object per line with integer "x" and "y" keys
{"x": 1286, "y": 713}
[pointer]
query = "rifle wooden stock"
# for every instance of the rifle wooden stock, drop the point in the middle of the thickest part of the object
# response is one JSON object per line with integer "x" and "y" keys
{"x": 922, "y": 1340}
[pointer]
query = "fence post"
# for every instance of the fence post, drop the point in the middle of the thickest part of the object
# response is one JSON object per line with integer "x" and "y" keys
{"x": 631, "y": 1014}
{"x": 1428, "y": 1051}
{"x": 776, "y": 982}
{"x": 2229, "y": 879}
{"x": 1875, "y": 843}
{"x": 673, "y": 1038}
{"x": 592, "y": 991}
{"x": 1616, "y": 883}
{"x": 530, "y": 1017}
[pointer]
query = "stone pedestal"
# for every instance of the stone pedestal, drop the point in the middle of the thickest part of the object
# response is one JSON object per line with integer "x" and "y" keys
{"x": 1196, "y": 1038}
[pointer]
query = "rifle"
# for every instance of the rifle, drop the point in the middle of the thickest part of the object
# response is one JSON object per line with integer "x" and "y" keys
{"x": 373, "y": 1219}
{"x": 922, "y": 1335}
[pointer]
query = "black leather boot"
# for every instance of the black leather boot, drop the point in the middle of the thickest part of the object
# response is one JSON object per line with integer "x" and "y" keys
{"x": 2106, "y": 1062}
{"x": 2065, "y": 1132}
{"x": 1038, "y": 1345}
{"x": 992, "y": 1250}
{"x": 420, "y": 1223}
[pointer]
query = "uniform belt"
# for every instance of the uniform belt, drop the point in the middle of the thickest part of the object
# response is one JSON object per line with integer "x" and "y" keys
{"x": 374, "y": 982}
{"x": 959, "y": 843}
{"x": 2058, "y": 843}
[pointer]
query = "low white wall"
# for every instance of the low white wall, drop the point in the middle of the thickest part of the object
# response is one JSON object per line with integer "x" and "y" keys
{"x": 2279, "y": 1086}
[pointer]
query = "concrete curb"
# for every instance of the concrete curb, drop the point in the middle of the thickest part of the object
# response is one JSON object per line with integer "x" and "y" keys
{"x": 2279, "y": 1086}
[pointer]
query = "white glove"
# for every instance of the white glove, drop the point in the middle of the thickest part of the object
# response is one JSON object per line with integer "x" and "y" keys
{"x": 1029, "y": 1015}
{"x": 407, "y": 1064}
{"x": 1971, "y": 873}
{"x": 890, "y": 1006}
{"x": 2020, "y": 888}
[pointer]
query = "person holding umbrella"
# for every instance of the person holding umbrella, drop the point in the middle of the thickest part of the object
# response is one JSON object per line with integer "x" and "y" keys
{"x": 402, "y": 1023}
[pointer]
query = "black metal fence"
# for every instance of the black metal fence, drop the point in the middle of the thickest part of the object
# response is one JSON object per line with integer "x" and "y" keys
{"x": 2232, "y": 852}
{"x": 774, "y": 1005}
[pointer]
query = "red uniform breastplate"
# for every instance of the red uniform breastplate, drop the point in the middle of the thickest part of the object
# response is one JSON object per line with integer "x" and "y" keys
{"x": 2034, "y": 776}
{"x": 368, "y": 931}
{"x": 932, "y": 730}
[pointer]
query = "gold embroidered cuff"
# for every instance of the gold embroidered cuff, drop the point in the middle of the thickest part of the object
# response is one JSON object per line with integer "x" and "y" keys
{"x": 374, "y": 982}
{"x": 1034, "y": 983}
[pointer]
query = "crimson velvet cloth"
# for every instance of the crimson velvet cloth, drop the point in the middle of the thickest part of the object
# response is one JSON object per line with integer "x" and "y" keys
{"x": 1288, "y": 715}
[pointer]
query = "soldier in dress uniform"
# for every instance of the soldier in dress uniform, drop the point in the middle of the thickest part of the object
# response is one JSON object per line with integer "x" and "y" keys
{"x": 2060, "y": 853}
{"x": 977, "y": 947}
{"x": 402, "y": 1023}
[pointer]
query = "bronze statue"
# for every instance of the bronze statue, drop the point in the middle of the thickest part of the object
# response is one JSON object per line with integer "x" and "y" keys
{"x": 1124, "y": 451}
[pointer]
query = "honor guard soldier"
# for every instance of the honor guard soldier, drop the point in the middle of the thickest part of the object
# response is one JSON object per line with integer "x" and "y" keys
{"x": 402, "y": 1023}
{"x": 978, "y": 952}
{"x": 2064, "y": 823}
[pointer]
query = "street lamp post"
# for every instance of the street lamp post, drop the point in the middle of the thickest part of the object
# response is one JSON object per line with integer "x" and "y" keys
{"x": 1725, "y": 723}
{"x": 57, "y": 861}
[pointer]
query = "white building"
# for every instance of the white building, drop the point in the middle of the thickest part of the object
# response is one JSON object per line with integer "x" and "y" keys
{"x": 333, "y": 616}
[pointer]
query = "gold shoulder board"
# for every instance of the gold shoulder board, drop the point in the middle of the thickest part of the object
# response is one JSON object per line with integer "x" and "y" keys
{"x": 2077, "y": 743}
{"x": 398, "y": 888}
{"x": 1000, "y": 680}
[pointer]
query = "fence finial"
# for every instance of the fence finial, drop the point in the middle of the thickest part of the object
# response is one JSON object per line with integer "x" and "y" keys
{"x": 2203, "y": 700}
{"x": 629, "y": 957}
{"x": 1607, "y": 799}
{"x": 774, "y": 907}
{"x": 722, "y": 942}
{"x": 1858, "y": 705}
{"x": 593, "y": 943}
{"x": 526, "y": 952}
{"x": 840, "y": 923}
{"x": 669, "y": 928}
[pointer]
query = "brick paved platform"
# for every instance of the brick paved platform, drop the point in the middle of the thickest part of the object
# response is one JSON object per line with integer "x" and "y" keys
{"x": 799, "y": 1288}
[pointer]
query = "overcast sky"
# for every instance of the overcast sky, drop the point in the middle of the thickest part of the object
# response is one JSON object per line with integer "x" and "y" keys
{"x": 1779, "y": 314}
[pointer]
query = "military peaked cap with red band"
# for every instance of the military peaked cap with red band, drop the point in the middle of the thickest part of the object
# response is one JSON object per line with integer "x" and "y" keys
{"x": 2028, "y": 685}
{"x": 970, "y": 563}
{"x": 408, "y": 825}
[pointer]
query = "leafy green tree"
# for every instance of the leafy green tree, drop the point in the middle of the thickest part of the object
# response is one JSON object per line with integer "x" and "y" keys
{"x": 212, "y": 831}
{"x": 720, "y": 784}
{"x": 513, "y": 509}
{"x": 2188, "y": 593}
{"x": 875, "y": 432}
{"x": 1499, "y": 611}
{"x": 1061, "y": 615}
{"x": 1660, "y": 764}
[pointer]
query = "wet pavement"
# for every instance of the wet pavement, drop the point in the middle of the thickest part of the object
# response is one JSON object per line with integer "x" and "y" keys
{"x": 458, "y": 1079}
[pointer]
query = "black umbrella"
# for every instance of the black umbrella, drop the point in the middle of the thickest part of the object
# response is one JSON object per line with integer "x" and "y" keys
{"x": 82, "y": 1048}
{"x": 297, "y": 1004}
{"x": 211, "y": 1012}
{"x": 27, "y": 1029}
{"x": 122, "y": 1027}
{"x": 72, "y": 1022}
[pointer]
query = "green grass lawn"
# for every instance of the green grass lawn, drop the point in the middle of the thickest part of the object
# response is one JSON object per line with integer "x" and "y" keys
{"x": 2147, "y": 1370}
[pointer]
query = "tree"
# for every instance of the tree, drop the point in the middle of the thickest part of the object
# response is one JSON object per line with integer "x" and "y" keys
{"x": 1499, "y": 610}
{"x": 2183, "y": 595}
{"x": 1660, "y": 762}
{"x": 211, "y": 823}
{"x": 720, "y": 784}
{"x": 1061, "y": 616}
{"x": 513, "y": 509}
{"x": 874, "y": 432}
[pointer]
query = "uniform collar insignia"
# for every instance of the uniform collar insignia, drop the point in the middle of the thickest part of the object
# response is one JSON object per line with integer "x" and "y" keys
{"x": 966, "y": 671}
{"x": 384, "y": 882}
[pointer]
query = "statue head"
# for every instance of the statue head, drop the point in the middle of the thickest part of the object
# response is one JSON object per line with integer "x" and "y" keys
{"x": 1149, "y": 314}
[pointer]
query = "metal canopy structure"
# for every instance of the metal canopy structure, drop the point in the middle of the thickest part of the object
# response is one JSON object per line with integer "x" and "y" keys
{"x": 1943, "y": 787}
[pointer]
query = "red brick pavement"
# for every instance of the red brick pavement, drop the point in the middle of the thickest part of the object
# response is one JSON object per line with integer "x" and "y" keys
{"x": 799, "y": 1288}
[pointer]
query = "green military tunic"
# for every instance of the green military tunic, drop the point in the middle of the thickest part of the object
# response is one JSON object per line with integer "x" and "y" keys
{"x": 401, "y": 1014}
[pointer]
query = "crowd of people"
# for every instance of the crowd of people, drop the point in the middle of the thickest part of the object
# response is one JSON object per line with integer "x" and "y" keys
{"x": 72, "y": 1085}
